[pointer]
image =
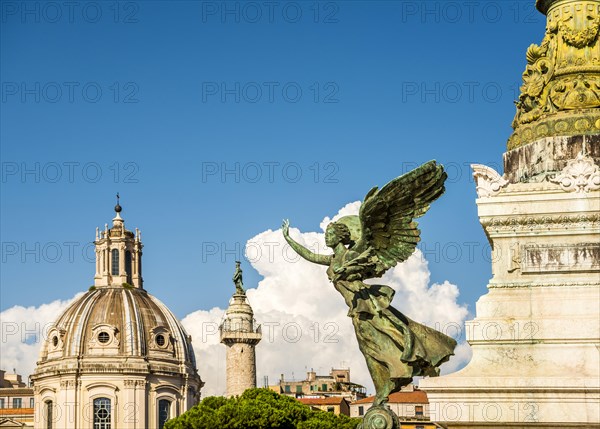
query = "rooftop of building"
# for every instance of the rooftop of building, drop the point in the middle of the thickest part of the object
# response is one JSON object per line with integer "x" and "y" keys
{"x": 11, "y": 381}
{"x": 13, "y": 391}
{"x": 15, "y": 411}
{"x": 414, "y": 397}
{"x": 330, "y": 400}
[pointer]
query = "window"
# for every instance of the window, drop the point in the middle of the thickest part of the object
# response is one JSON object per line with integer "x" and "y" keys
{"x": 298, "y": 388}
{"x": 102, "y": 413}
{"x": 1, "y": 402}
{"x": 324, "y": 387}
{"x": 330, "y": 409}
{"x": 114, "y": 262}
{"x": 361, "y": 410}
{"x": 164, "y": 409}
{"x": 17, "y": 402}
{"x": 288, "y": 388}
{"x": 419, "y": 411}
{"x": 103, "y": 337}
{"x": 128, "y": 265}
{"x": 160, "y": 340}
{"x": 49, "y": 417}
{"x": 31, "y": 403}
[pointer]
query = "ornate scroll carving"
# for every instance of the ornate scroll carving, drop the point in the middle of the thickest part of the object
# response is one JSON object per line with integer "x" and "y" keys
{"x": 580, "y": 175}
{"x": 488, "y": 181}
{"x": 134, "y": 383}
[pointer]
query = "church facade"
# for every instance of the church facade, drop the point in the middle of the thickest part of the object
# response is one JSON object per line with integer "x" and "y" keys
{"x": 117, "y": 357}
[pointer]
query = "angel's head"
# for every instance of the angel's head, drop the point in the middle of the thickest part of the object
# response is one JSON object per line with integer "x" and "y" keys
{"x": 337, "y": 233}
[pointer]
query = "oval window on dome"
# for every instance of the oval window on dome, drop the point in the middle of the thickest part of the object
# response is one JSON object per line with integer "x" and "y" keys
{"x": 104, "y": 337}
{"x": 55, "y": 341}
{"x": 160, "y": 340}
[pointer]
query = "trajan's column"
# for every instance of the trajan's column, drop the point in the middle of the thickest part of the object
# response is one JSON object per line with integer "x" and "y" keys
{"x": 240, "y": 336}
{"x": 536, "y": 335}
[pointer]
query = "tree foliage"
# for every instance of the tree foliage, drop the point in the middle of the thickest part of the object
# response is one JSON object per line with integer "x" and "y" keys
{"x": 257, "y": 409}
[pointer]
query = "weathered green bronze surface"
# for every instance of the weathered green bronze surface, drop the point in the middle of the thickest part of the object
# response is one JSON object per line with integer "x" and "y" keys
{"x": 238, "y": 280}
{"x": 365, "y": 246}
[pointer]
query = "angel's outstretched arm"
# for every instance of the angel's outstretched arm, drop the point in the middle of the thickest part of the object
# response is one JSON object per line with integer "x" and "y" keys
{"x": 301, "y": 250}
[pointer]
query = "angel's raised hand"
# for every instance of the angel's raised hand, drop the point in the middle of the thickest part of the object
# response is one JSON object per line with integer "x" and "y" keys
{"x": 285, "y": 227}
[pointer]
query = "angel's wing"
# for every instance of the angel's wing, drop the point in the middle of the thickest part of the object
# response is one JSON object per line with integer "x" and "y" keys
{"x": 389, "y": 234}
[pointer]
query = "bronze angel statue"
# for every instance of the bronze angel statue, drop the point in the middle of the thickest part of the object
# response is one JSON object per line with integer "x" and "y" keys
{"x": 384, "y": 233}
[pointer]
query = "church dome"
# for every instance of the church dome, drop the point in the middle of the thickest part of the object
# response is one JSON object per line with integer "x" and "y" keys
{"x": 116, "y": 357}
{"x": 120, "y": 321}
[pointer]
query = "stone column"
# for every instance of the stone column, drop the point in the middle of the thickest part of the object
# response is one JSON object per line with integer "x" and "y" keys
{"x": 240, "y": 337}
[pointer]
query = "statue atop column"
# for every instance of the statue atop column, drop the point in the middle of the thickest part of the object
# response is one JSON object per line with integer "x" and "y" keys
{"x": 237, "y": 279}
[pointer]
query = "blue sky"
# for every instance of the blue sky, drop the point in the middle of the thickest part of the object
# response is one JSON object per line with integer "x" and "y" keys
{"x": 216, "y": 124}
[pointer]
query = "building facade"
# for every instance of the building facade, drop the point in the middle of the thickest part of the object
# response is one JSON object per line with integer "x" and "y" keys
{"x": 536, "y": 334}
{"x": 116, "y": 357}
{"x": 16, "y": 402}
{"x": 336, "y": 384}
{"x": 410, "y": 405}
{"x": 333, "y": 404}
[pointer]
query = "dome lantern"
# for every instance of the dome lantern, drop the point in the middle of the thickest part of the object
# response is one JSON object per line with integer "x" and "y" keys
{"x": 118, "y": 254}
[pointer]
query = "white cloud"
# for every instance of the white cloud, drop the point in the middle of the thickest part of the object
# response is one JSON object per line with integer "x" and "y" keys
{"x": 203, "y": 326}
{"x": 303, "y": 317}
{"x": 23, "y": 330}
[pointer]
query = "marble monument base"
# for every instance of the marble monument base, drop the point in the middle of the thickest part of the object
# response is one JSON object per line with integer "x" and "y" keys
{"x": 536, "y": 336}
